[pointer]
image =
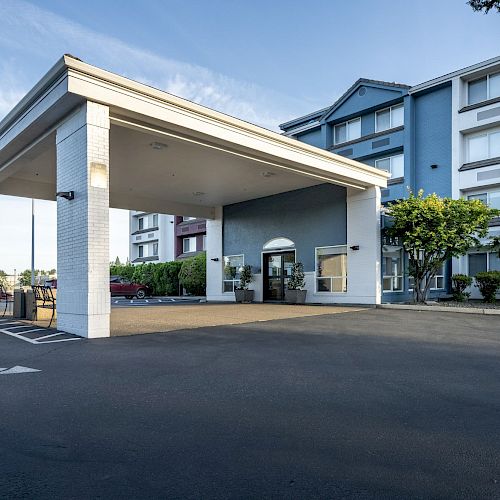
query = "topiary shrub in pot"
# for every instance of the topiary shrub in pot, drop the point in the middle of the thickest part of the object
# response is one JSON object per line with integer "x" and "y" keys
{"x": 488, "y": 283}
{"x": 242, "y": 293}
{"x": 459, "y": 282}
{"x": 295, "y": 292}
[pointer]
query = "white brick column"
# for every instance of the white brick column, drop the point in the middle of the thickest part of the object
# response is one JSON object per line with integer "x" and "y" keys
{"x": 83, "y": 297}
{"x": 215, "y": 269}
{"x": 363, "y": 229}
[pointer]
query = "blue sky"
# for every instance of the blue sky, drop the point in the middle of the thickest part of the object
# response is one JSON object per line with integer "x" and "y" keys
{"x": 262, "y": 61}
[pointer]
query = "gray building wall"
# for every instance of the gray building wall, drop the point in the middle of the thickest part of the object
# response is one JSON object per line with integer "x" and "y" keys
{"x": 311, "y": 217}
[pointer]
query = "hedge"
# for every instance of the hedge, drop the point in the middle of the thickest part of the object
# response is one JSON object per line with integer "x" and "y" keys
{"x": 166, "y": 278}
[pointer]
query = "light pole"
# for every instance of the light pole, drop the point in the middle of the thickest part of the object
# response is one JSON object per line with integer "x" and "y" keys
{"x": 32, "y": 241}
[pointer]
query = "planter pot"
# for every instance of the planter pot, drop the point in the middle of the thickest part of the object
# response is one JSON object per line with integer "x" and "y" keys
{"x": 295, "y": 296}
{"x": 243, "y": 296}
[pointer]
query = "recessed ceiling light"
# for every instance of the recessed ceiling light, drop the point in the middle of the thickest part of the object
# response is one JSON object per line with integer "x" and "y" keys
{"x": 158, "y": 145}
{"x": 198, "y": 193}
{"x": 268, "y": 174}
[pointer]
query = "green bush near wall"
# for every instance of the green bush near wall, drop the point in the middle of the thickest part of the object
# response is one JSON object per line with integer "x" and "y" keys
{"x": 193, "y": 274}
{"x": 166, "y": 278}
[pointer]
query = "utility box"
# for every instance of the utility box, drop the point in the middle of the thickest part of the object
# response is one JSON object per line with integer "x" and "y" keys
{"x": 19, "y": 311}
{"x": 30, "y": 305}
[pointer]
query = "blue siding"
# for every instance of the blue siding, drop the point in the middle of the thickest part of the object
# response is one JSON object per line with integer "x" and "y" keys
{"x": 310, "y": 217}
{"x": 312, "y": 137}
{"x": 433, "y": 141}
{"x": 356, "y": 104}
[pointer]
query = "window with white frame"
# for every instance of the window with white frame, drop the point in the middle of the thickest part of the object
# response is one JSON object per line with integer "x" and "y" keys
{"x": 483, "y": 145}
{"x": 189, "y": 244}
{"x": 141, "y": 223}
{"x": 392, "y": 268}
{"x": 395, "y": 165}
{"x": 388, "y": 118}
{"x": 490, "y": 198}
{"x": 437, "y": 282}
{"x": 188, "y": 218}
{"x": 155, "y": 220}
{"x": 331, "y": 269}
{"x": 232, "y": 265}
{"x": 141, "y": 251}
{"x": 347, "y": 131}
{"x": 155, "y": 249}
{"x": 483, "y": 261}
{"x": 484, "y": 88}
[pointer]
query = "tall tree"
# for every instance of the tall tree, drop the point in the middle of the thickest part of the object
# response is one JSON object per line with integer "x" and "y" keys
{"x": 432, "y": 230}
{"x": 484, "y": 5}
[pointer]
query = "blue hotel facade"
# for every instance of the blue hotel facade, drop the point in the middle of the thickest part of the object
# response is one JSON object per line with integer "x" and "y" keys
{"x": 387, "y": 126}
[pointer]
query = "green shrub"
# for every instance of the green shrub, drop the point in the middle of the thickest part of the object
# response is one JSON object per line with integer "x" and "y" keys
{"x": 488, "y": 283}
{"x": 166, "y": 278}
{"x": 144, "y": 274}
{"x": 459, "y": 282}
{"x": 123, "y": 270}
{"x": 246, "y": 277}
{"x": 193, "y": 274}
{"x": 297, "y": 278}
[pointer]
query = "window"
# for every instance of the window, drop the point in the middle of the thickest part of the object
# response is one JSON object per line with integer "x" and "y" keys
{"x": 141, "y": 251}
{"x": 232, "y": 265}
{"x": 490, "y": 198}
{"x": 155, "y": 249}
{"x": 188, "y": 218}
{"x": 395, "y": 165}
{"x": 347, "y": 131}
{"x": 331, "y": 269}
{"x": 141, "y": 223}
{"x": 392, "y": 268}
{"x": 483, "y": 261}
{"x": 189, "y": 244}
{"x": 204, "y": 242}
{"x": 389, "y": 118}
{"x": 482, "y": 89}
{"x": 483, "y": 145}
{"x": 437, "y": 283}
{"x": 155, "y": 220}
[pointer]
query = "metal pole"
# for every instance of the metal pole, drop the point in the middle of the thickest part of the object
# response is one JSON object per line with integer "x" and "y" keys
{"x": 32, "y": 241}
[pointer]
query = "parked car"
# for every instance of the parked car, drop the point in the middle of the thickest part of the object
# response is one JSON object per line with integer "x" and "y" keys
{"x": 119, "y": 287}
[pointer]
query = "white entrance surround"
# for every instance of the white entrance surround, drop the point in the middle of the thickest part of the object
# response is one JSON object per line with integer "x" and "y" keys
{"x": 98, "y": 134}
{"x": 83, "y": 297}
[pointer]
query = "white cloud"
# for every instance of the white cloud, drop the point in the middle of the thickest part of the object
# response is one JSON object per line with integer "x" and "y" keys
{"x": 45, "y": 35}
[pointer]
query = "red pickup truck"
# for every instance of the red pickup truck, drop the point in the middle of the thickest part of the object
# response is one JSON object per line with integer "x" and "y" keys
{"x": 119, "y": 287}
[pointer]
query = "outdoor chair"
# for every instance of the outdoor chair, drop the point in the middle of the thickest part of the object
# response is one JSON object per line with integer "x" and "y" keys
{"x": 44, "y": 295}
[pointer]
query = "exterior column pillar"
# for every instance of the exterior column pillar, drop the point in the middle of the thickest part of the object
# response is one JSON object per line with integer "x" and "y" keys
{"x": 363, "y": 230}
{"x": 215, "y": 269}
{"x": 83, "y": 297}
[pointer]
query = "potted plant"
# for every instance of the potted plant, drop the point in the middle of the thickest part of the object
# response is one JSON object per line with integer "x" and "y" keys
{"x": 295, "y": 292}
{"x": 242, "y": 293}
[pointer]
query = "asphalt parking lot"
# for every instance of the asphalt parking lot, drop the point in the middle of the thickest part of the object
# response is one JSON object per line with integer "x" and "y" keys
{"x": 367, "y": 404}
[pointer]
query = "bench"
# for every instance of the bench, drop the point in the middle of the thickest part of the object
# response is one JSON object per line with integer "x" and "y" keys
{"x": 44, "y": 295}
{"x": 5, "y": 295}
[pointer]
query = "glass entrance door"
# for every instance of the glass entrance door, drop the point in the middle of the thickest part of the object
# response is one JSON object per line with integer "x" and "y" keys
{"x": 277, "y": 271}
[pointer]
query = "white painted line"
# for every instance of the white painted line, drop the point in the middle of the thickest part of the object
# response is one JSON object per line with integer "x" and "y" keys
{"x": 14, "y": 327}
{"x": 16, "y": 335}
{"x": 47, "y": 336}
{"x": 60, "y": 340}
{"x": 34, "y": 330}
{"x": 18, "y": 369}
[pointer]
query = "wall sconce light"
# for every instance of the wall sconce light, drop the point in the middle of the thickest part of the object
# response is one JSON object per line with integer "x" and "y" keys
{"x": 215, "y": 259}
{"x": 67, "y": 195}
{"x": 354, "y": 247}
{"x": 433, "y": 166}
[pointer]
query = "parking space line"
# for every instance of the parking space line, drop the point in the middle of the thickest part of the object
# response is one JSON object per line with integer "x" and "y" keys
{"x": 15, "y": 327}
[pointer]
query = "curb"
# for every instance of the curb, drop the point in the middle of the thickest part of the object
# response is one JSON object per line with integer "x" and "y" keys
{"x": 460, "y": 310}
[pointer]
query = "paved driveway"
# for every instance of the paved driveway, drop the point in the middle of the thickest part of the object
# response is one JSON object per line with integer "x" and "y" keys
{"x": 371, "y": 404}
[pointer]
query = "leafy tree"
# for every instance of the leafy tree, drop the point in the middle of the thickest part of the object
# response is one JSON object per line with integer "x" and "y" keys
{"x": 193, "y": 274}
{"x": 484, "y": 5}
{"x": 433, "y": 230}
{"x": 3, "y": 278}
{"x": 25, "y": 277}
